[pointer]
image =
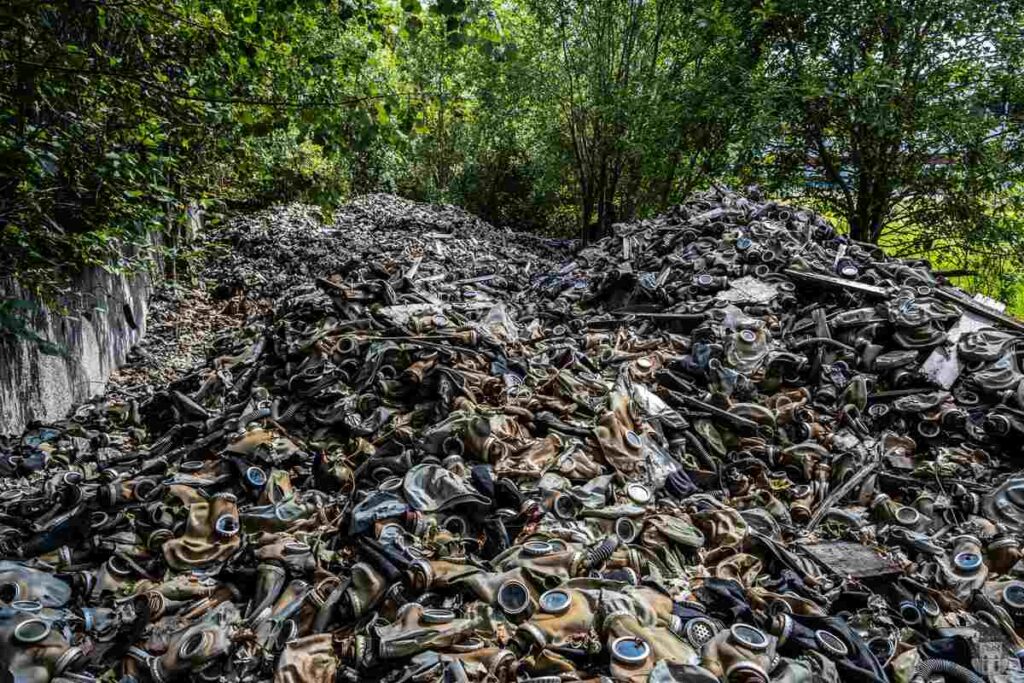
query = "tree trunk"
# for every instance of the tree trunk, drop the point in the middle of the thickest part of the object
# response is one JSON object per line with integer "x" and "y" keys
{"x": 586, "y": 211}
{"x": 858, "y": 229}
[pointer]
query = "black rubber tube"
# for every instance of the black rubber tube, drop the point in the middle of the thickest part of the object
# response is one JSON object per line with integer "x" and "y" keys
{"x": 947, "y": 668}
{"x": 599, "y": 554}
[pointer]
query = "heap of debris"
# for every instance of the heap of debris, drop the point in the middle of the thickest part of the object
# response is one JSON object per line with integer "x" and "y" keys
{"x": 723, "y": 444}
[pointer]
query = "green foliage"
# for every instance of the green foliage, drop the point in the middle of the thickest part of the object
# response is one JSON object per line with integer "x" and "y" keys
{"x": 16, "y": 325}
{"x": 893, "y": 114}
{"x": 900, "y": 118}
{"x": 648, "y": 95}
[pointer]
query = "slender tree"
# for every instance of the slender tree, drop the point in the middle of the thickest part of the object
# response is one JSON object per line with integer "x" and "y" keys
{"x": 898, "y": 116}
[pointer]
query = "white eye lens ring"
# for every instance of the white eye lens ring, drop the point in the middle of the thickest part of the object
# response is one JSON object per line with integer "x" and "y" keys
{"x": 626, "y": 529}
{"x": 27, "y": 605}
{"x": 832, "y": 644}
{"x": 194, "y": 644}
{"x": 556, "y": 601}
{"x": 749, "y": 636}
{"x": 1013, "y": 594}
{"x": 967, "y": 561}
{"x": 908, "y": 516}
{"x": 630, "y": 650}
{"x": 638, "y": 493}
{"x": 31, "y": 631}
{"x": 437, "y": 616}
{"x": 227, "y": 525}
{"x": 514, "y": 597}
{"x": 537, "y": 548}
{"x": 256, "y": 476}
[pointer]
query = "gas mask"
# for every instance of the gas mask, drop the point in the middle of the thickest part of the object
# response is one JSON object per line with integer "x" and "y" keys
{"x": 620, "y": 444}
{"x": 564, "y": 619}
{"x": 740, "y": 654}
{"x": 722, "y": 526}
{"x": 965, "y": 570}
{"x": 211, "y": 532}
{"x": 418, "y": 629}
{"x": 19, "y": 582}
{"x": 308, "y": 660}
{"x": 810, "y": 667}
{"x": 553, "y": 557}
{"x": 35, "y": 642}
{"x": 831, "y": 638}
{"x": 193, "y": 650}
{"x": 636, "y": 648}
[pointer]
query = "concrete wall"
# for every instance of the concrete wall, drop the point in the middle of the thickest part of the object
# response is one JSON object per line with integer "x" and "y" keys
{"x": 106, "y": 317}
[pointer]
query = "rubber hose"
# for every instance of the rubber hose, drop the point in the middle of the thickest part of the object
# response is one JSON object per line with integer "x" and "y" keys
{"x": 947, "y": 668}
{"x": 696, "y": 444}
{"x": 823, "y": 340}
{"x": 599, "y": 555}
{"x": 253, "y": 415}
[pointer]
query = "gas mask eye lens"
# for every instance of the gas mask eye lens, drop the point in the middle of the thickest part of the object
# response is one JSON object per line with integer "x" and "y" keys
{"x": 877, "y": 410}
{"x": 967, "y": 561}
{"x": 438, "y": 616}
{"x": 908, "y": 516}
{"x": 31, "y": 631}
{"x": 27, "y": 605}
{"x": 1013, "y": 595}
{"x": 98, "y": 518}
{"x": 191, "y": 645}
{"x": 633, "y": 439}
{"x": 749, "y": 636}
{"x": 638, "y": 493}
{"x": 630, "y": 650}
{"x": 625, "y": 529}
{"x": 745, "y": 672}
{"x": 144, "y": 489}
{"x": 469, "y": 645}
{"x": 9, "y": 592}
{"x": 226, "y": 525}
{"x": 882, "y": 649}
{"x": 256, "y": 476}
{"x": 537, "y": 548}
{"x": 555, "y": 601}
{"x": 513, "y": 597}
{"x": 455, "y": 525}
{"x": 910, "y": 613}
{"x": 289, "y": 630}
{"x": 118, "y": 566}
{"x": 565, "y": 507}
{"x": 929, "y": 606}
{"x": 831, "y": 644}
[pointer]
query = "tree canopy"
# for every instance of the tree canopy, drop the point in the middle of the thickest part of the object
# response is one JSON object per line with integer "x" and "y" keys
{"x": 899, "y": 118}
